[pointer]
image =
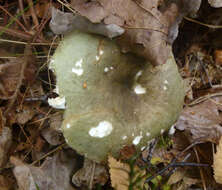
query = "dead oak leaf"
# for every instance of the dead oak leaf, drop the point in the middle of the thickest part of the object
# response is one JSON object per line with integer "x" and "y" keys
{"x": 121, "y": 178}
{"x": 202, "y": 121}
{"x": 54, "y": 173}
{"x": 146, "y": 27}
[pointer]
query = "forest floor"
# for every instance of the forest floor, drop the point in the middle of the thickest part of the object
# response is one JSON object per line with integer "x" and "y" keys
{"x": 33, "y": 152}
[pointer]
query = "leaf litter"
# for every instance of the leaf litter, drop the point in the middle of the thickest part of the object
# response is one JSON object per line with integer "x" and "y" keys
{"x": 30, "y": 129}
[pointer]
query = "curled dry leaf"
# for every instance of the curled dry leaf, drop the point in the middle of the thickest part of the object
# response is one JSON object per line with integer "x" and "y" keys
{"x": 90, "y": 173}
{"x": 5, "y": 143}
{"x": 52, "y": 136}
{"x": 146, "y": 27}
{"x": 54, "y": 173}
{"x": 202, "y": 121}
{"x": 119, "y": 174}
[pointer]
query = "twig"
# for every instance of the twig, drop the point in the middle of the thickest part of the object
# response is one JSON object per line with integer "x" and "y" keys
{"x": 27, "y": 53}
{"x": 23, "y": 15}
{"x": 34, "y": 17}
{"x": 203, "y": 98}
{"x": 67, "y": 6}
{"x": 203, "y": 24}
{"x": 145, "y": 28}
{"x": 16, "y": 33}
{"x": 201, "y": 171}
{"x": 34, "y": 43}
{"x": 92, "y": 176}
{"x": 49, "y": 153}
{"x": 14, "y": 18}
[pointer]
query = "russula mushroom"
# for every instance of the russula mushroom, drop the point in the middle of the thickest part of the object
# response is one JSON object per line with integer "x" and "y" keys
{"x": 113, "y": 99}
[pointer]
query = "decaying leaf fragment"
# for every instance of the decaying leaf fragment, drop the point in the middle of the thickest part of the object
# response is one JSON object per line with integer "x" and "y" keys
{"x": 202, "y": 121}
{"x": 217, "y": 165}
{"x": 215, "y": 3}
{"x": 54, "y": 173}
{"x": 146, "y": 27}
{"x": 120, "y": 175}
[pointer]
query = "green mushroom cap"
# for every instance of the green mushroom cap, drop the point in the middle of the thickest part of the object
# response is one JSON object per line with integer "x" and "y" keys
{"x": 113, "y": 99}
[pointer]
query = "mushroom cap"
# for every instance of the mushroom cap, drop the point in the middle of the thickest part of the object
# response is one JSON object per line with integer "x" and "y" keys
{"x": 113, "y": 99}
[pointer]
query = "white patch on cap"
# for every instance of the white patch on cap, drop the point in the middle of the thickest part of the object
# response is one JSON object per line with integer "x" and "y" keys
{"x": 124, "y": 137}
{"x": 78, "y": 71}
{"x": 58, "y": 102}
{"x": 172, "y": 130}
{"x": 102, "y": 130}
{"x": 56, "y": 90}
{"x": 79, "y": 63}
{"x": 142, "y": 149}
{"x": 166, "y": 82}
{"x": 138, "y": 74}
{"x": 164, "y": 88}
{"x": 97, "y": 58}
{"x": 111, "y": 68}
{"x": 101, "y": 52}
{"x": 106, "y": 69}
{"x": 137, "y": 139}
{"x": 68, "y": 126}
{"x": 138, "y": 89}
{"x": 147, "y": 134}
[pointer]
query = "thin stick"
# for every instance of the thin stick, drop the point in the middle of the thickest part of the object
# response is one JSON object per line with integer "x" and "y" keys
{"x": 203, "y": 24}
{"x": 34, "y": 17}
{"x": 201, "y": 170}
{"x": 49, "y": 153}
{"x": 16, "y": 20}
{"x": 23, "y": 15}
{"x": 15, "y": 33}
{"x": 27, "y": 53}
{"x": 33, "y": 43}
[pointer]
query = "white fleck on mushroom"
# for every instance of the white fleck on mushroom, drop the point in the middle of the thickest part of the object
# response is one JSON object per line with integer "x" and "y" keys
{"x": 106, "y": 69}
{"x": 137, "y": 139}
{"x": 162, "y": 131}
{"x": 79, "y": 63}
{"x": 97, "y": 58}
{"x": 138, "y": 89}
{"x": 101, "y": 52}
{"x": 124, "y": 137}
{"x": 166, "y": 82}
{"x": 68, "y": 126}
{"x": 78, "y": 71}
{"x": 147, "y": 134}
{"x": 172, "y": 130}
{"x": 143, "y": 148}
{"x": 103, "y": 129}
{"x": 164, "y": 88}
{"x": 58, "y": 102}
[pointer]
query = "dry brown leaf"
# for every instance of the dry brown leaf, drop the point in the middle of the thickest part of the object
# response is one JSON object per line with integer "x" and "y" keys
{"x": 54, "y": 173}
{"x": 5, "y": 143}
{"x": 119, "y": 174}
{"x": 202, "y": 121}
{"x": 90, "y": 173}
{"x": 177, "y": 176}
{"x": 217, "y": 164}
{"x": 147, "y": 28}
{"x": 9, "y": 75}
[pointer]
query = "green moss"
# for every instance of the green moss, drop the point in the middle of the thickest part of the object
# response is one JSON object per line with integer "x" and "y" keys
{"x": 98, "y": 82}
